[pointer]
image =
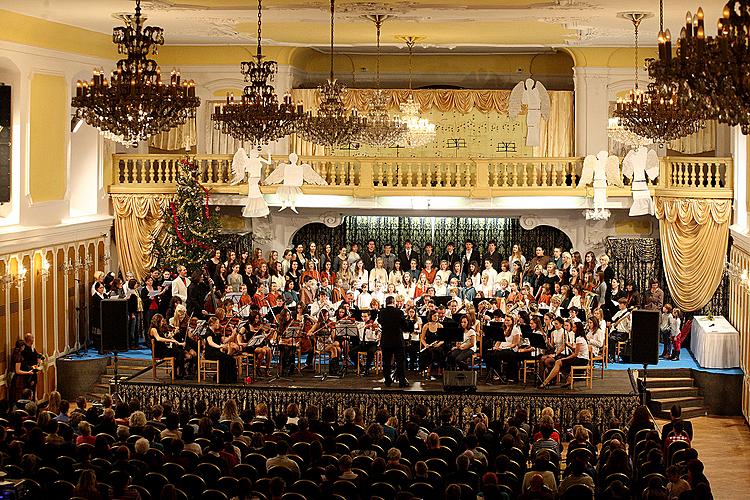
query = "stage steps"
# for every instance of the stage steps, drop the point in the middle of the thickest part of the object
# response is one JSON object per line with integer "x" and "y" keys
{"x": 126, "y": 367}
{"x": 667, "y": 387}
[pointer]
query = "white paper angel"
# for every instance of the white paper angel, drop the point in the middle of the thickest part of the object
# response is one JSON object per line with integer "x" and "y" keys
{"x": 291, "y": 176}
{"x": 250, "y": 165}
{"x": 603, "y": 170}
{"x": 638, "y": 164}
{"x": 535, "y": 97}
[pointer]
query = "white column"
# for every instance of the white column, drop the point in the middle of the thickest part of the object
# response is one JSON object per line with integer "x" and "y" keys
{"x": 740, "y": 156}
{"x": 591, "y": 112}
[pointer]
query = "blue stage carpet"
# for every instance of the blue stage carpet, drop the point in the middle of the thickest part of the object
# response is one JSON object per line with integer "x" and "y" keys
{"x": 686, "y": 361}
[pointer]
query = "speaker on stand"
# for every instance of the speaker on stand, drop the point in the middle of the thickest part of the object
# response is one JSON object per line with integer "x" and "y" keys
{"x": 644, "y": 342}
{"x": 114, "y": 322}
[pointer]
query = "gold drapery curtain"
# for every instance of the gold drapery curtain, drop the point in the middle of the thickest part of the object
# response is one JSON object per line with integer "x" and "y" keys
{"x": 694, "y": 237}
{"x": 138, "y": 218}
{"x": 182, "y": 137}
{"x": 697, "y": 143}
{"x": 557, "y": 132}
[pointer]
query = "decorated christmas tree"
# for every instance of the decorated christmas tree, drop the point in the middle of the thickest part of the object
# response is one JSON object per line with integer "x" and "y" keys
{"x": 191, "y": 227}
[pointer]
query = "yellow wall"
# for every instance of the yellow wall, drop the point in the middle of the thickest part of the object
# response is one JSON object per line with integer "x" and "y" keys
{"x": 29, "y": 30}
{"x": 49, "y": 123}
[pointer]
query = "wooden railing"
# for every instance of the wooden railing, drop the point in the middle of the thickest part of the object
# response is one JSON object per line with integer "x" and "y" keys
{"x": 477, "y": 178}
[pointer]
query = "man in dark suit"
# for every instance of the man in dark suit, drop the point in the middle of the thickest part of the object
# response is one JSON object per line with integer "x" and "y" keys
{"x": 407, "y": 254}
{"x": 470, "y": 255}
{"x": 451, "y": 256}
{"x": 392, "y": 324}
{"x": 369, "y": 256}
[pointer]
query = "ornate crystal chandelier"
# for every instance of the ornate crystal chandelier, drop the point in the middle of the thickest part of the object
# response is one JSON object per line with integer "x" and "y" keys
{"x": 419, "y": 131}
{"x": 258, "y": 117}
{"x": 711, "y": 73}
{"x": 655, "y": 114}
{"x": 616, "y": 129}
{"x": 333, "y": 126}
{"x": 134, "y": 103}
{"x": 381, "y": 131}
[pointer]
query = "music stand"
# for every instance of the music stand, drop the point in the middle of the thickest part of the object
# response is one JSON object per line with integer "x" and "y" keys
{"x": 493, "y": 334}
{"x": 292, "y": 332}
{"x": 538, "y": 341}
{"x": 346, "y": 330}
{"x": 323, "y": 332}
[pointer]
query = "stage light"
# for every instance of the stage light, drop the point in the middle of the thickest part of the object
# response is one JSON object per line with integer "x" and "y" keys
{"x": 75, "y": 124}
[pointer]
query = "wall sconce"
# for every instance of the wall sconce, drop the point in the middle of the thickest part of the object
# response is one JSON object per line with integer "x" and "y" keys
{"x": 89, "y": 262}
{"x": 738, "y": 275}
{"x": 79, "y": 264}
{"x": 107, "y": 259}
{"x": 21, "y": 276}
{"x": 44, "y": 271}
{"x": 67, "y": 266}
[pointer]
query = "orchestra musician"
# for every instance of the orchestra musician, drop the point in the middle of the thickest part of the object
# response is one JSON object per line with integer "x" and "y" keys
{"x": 165, "y": 345}
{"x": 620, "y": 326}
{"x": 24, "y": 376}
{"x": 432, "y": 351}
{"x": 288, "y": 345}
{"x": 257, "y": 341}
{"x": 505, "y": 350}
{"x": 412, "y": 336}
{"x": 324, "y": 332}
{"x": 370, "y": 336}
{"x": 461, "y": 354}
{"x": 216, "y": 351}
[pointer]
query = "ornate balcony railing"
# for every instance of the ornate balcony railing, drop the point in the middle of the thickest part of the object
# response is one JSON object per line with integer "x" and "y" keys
{"x": 477, "y": 178}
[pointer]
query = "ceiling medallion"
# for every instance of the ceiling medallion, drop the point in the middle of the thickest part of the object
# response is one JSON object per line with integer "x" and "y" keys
{"x": 381, "y": 131}
{"x": 134, "y": 103}
{"x": 258, "y": 117}
{"x": 332, "y": 126}
{"x": 656, "y": 114}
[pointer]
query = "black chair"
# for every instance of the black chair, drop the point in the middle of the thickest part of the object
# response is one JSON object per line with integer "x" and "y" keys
{"x": 585, "y": 452}
{"x": 62, "y": 489}
{"x": 613, "y": 433}
{"x": 362, "y": 462}
{"x": 33, "y": 489}
{"x": 383, "y": 490}
{"x": 678, "y": 457}
{"x": 293, "y": 495}
{"x": 673, "y": 447}
{"x": 467, "y": 492}
{"x": 342, "y": 449}
{"x": 287, "y": 475}
{"x": 242, "y": 446}
{"x": 306, "y": 487}
{"x": 422, "y": 490}
{"x": 101, "y": 463}
{"x": 350, "y": 440}
{"x": 258, "y": 494}
{"x": 143, "y": 492}
{"x": 192, "y": 485}
{"x": 203, "y": 442}
{"x": 109, "y": 438}
{"x": 181, "y": 495}
{"x": 244, "y": 470}
{"x": 280, "y": 436}
{"x": 213, "y": 495}
{"x": 13, "y": 471}
{"x": 449, "y": 442}
{"x": 228, "y": 485}
{"x": 154, "y": 482}
{"x": 47, "y": 475}
{"x": 346, "y": 489}
{"x": 191, "y": 458}
{"x": 645, "y": 480}
{"x": 397, "y": 478}
{"x": 209, "y": 472}
{"x": 578, "y": 492}
{"x": 617, "y": 476}
{"x": 303, "y": 450}
{"x": 258, "y": 461}
{"x": 173, "y": 471}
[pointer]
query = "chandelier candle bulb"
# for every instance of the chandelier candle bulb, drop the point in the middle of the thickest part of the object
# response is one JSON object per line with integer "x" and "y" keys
{"x": 688, "y": 24}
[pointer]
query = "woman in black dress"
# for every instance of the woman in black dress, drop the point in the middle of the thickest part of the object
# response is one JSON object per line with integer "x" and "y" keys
{"x": 24, "y": 377}
{"x": 214, "y": 351}
{"x": 165, "y": 346}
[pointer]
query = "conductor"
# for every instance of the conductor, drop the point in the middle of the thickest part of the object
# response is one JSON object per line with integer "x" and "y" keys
{"x": 393, "y": 324}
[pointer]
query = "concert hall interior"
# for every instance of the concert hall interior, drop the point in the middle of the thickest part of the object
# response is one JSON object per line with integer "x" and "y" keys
{"x": 354, "y": 249}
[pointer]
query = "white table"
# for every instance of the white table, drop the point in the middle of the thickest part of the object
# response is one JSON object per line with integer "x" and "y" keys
{"x": 715, "y": 343}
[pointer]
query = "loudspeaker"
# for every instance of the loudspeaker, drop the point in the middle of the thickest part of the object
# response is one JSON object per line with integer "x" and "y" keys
{"x": 114, "y": 321}
{"x": 644, "y": 337}
{"x": 459, "y": 381}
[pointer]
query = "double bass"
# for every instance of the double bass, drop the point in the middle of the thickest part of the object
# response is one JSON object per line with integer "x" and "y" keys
{"x": 212, "y": 301}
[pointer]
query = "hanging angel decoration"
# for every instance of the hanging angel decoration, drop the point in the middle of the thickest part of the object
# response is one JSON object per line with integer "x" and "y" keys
{"x": 535, "y": 97}
{"x": 603, "y": 170}
{"x": 250, "y": 165}
{"x": 638, "y": 164}
{"x": 291, "y": 176}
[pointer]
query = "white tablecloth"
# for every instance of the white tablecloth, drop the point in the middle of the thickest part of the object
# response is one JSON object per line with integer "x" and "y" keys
{"x": 716, "y": 343}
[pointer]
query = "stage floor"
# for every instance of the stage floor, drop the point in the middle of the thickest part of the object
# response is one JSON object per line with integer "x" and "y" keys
{"x": 615, "y": 382}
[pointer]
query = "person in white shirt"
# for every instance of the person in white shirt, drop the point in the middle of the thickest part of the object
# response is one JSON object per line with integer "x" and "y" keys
{"x": 353, "y": 256}
{"x": 320, "y": 304}
{"x": 444, "y": 272}
{"x": 674, "y": 332}
{"x": 490, "y": 272}
{"x": 181, "y": 284}
{"x": 594, "y": 335}
{"x": 397, "y": 275}
{"x": 378, "y": 275}
{"x": 360, "y": 276}
{"x": 557, "y": 341}
{"x": 364, "y": 298}
{"x": 579, "y": 357}
{"x": 441, "y": 289}
{"x": 461, "y": 354}
{"x": 407, "y": 287}
{"x": 378, "y": 293}
{"x": 620, "y": 327}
